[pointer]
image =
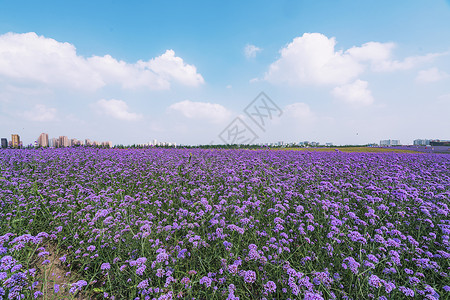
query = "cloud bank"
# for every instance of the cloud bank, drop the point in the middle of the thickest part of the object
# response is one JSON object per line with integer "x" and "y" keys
{"x": 211, "y": 112}
{"x": 29, "y": 58}
{"x": 312, "y": 59}
{"x": 117, "y": 109}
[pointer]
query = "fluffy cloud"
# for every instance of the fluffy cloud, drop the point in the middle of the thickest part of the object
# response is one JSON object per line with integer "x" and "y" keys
{"x": 31, "y": 58}
{"x": 312, "y": 59}
{"x": 444, "y": 98}
{"x": 430, "y": 75}
{"x": 355, "y": 93}
{"x": 300, "y": 111}
{"x": 117, "y": 109}
{"x": 211, "y": 112}
{"x": 40, "y": 113}
{"x": 250, "y": 51}
{"x": 406, "y": 64}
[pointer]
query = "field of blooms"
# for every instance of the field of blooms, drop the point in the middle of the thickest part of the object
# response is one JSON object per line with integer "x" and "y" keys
{"x": 86, "y": 223}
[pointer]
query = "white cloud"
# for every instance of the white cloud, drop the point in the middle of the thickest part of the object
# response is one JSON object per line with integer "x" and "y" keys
{"x": 250, "y": 51}
{"x": 430, "y": 75}
{"x": 406, "y": 64}
{"x": 373, "y": 52}
{"x": 444, "y": 98}
{"x": 211, "y": 112}
{"x": 355, "y": 93}
{"x": 36, "y": 59}
{"x": 171, "y": 67}
{"x": 41, "y": 113}
{"x": 312, "y": 59}
{"x": 117, "y": 109}
{"x": 29, "y": 57}
{"x": 300, "y": 111}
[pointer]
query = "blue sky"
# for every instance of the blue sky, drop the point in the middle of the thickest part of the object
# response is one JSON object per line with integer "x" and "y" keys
{"x": 345, "y": 72}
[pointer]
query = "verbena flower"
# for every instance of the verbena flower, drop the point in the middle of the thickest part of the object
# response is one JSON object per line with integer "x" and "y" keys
{"x": 250, "y": 276}
{"x": 270, "y": 287}
{"x": 375, "y": 281}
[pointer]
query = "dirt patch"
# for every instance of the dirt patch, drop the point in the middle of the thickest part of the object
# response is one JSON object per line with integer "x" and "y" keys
{"x": 55, "y": 280}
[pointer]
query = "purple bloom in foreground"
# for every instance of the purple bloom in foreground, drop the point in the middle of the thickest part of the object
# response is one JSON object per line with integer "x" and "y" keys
{"x": 407, "y": 291}
{"x": 270, "y": 287}
{"x": 162, "y": 257}
{"x": 206, "y": 281}
{"x": 140, "y": 270}
{"x": 105, "y": 266}
{"x": 375, "y": 281}
{"x": 352, "y": 264}
{"x": 77, "y": 286}
{"x": 250, "y": 276}
{"x": 312, "y": 296}
{"x": 38, "y": 294}
{"x": 143, "y": 284}
{"x": 233, "y": 269}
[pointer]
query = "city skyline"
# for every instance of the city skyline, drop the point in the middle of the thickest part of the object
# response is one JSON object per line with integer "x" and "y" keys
{"x": 44, "y": 141}
{"x": 63, "y": 141}
{"x": 185, "y": 71}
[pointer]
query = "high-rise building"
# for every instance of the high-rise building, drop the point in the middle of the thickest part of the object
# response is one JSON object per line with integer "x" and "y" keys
{"x": 15, "y": 140}
{"x": 4, "y": 143}
{"x": 389, "y": 143}
{"x": 63, "y": 141}
{"x": 53, "y": 142}
{"x": 421, "y": 142}
{"x": 107, "y": 144}
{"x": 43, "y": 140}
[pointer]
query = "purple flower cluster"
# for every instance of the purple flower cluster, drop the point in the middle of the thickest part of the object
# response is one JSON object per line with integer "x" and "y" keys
{"x": 166, "y": 223}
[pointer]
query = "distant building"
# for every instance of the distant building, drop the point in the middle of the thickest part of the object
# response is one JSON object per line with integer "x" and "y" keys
{"x": 75, "y": 142}
{"x": 4, "y": 143}
{"x": 440, "y": 143}
{"x": 15, "y": 141}
{"x": 63, "y": 141}
{"x": 107, "y": 144}
{"x": 43, "y": 140}
{"x": 54, "y": 142}
{"x": 390, "y": 143}
{"x": 421, "y": 142}
{"x": 88, "y": 142}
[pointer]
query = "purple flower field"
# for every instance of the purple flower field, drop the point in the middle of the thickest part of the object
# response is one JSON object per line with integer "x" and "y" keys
{"x": 224, "y": 224}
